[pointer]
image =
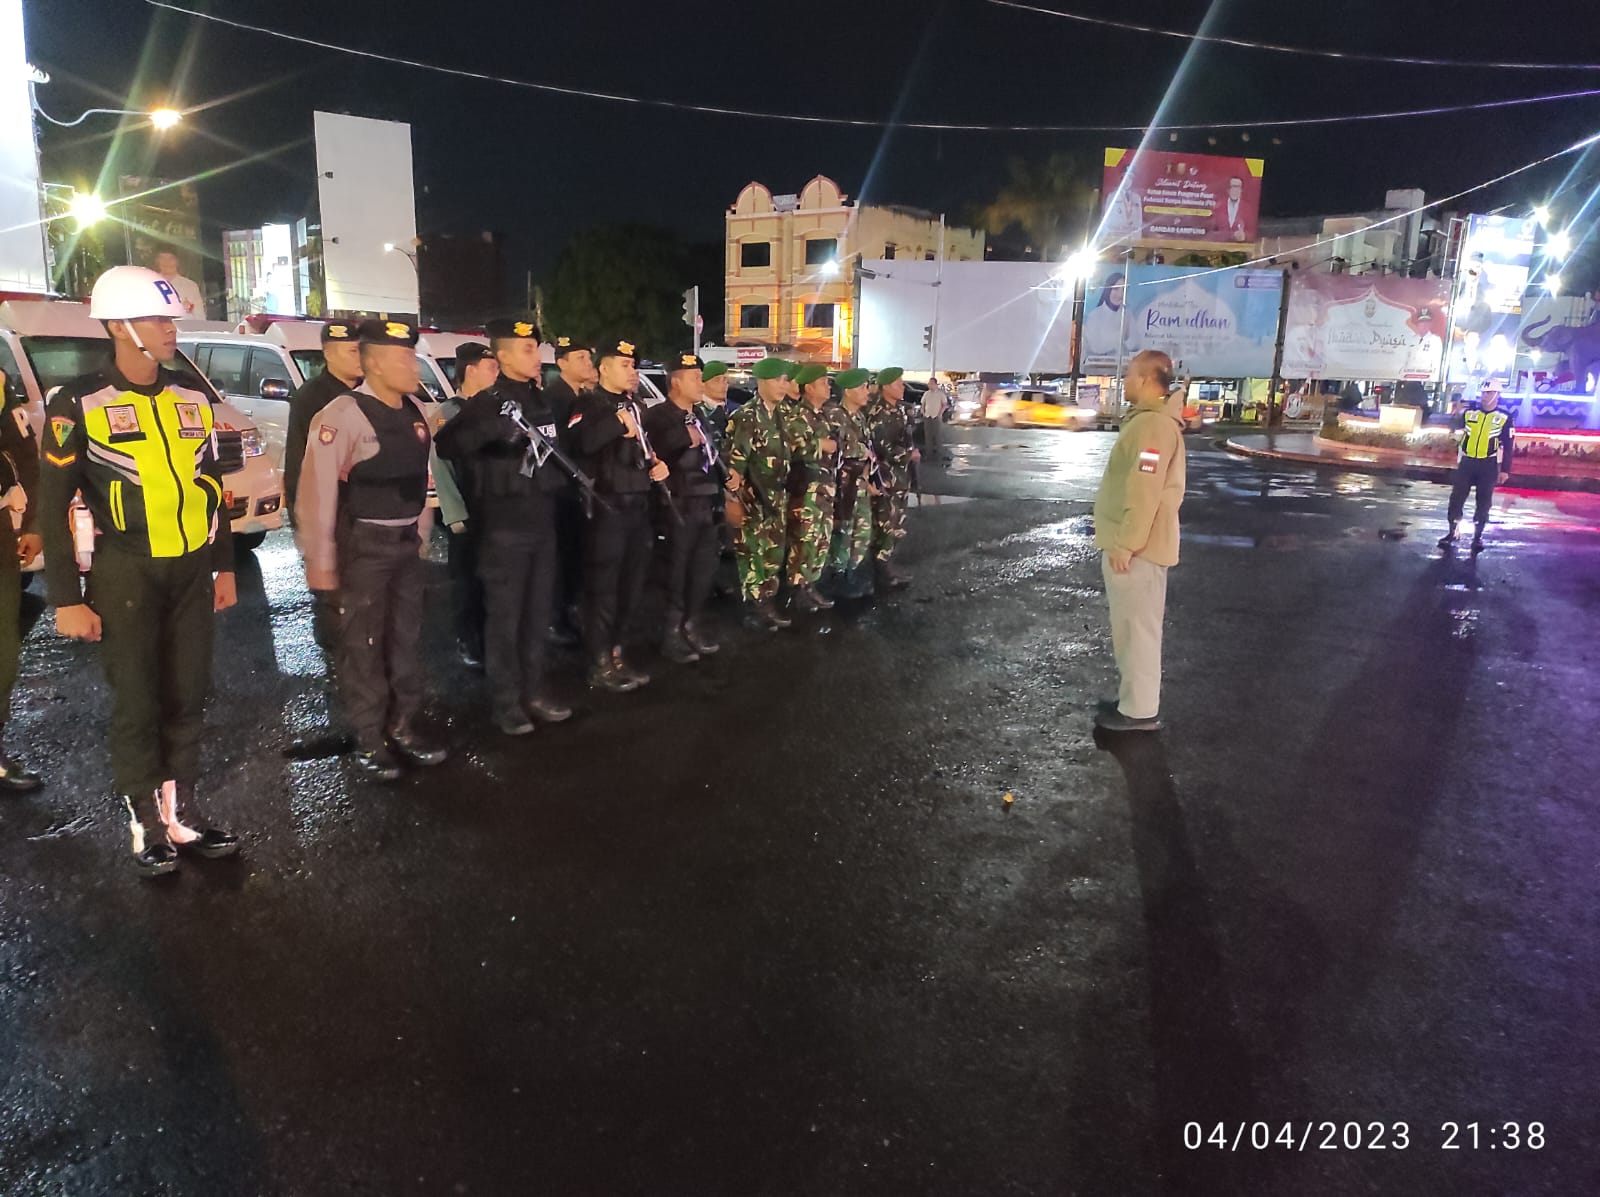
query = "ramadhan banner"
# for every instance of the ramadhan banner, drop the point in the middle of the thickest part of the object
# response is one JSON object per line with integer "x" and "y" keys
{"x": 1365, "y": 327}
{"x": 1216, "y": 323}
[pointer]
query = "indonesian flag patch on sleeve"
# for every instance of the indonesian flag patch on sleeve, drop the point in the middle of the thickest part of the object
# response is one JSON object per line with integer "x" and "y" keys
{"x": 577, "y": 418}
{"x": 1149, "y": 459}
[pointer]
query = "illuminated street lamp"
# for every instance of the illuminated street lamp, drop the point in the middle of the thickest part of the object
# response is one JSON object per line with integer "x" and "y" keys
{"x": 1541, "y": 213}
{"x": 1076, "y": 266}
{"x": 1559, "y": 245}
{"x": 1553, "y": 284}
{"x": 830, "y": 268}
{"x": 165, "y": 118}
{"x": 86, "y": 208}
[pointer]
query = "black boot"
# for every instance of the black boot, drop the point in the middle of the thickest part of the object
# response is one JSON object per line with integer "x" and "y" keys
{"x": 888, "y": 577}
{"x": 153, "y": 856}
{"x": 547, "y": 710}
{"x": 701, "y": 643}
{"x": 470, "y": 652}
{"x": 764, "y": 616}
{"x": 822, "y": 601}
{"x": 860, "y": 581}
{"x": 378, "y": 763}
{"x": 512, "y": 721}
{"x": 411, "y": 745}
{"x": 186, "y": 829}
{"x": 15, "y": 777}
{"x": 677, "y": 649}
{"x": 639, "y": 676}
{"x": 608, "y": 674}
{"x": 806, "y": 600}
{"x": 1477, "y": 541}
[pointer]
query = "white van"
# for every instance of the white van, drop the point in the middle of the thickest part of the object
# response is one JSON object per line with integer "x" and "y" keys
{"x": 45, "y": 343}
{"x": 258, "y": 372}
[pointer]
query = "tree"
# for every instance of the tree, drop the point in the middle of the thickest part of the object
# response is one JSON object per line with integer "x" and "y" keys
{"x": 1053, "y": 202}
{"x": 622, "y": 281}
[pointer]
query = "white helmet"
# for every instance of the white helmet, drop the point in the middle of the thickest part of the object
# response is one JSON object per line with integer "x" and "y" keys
{"x": 134, "y": 293}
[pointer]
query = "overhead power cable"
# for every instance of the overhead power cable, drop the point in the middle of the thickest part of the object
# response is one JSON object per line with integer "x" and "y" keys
{"x": 855, "y": 122}
{"x": 1308, "y": 51}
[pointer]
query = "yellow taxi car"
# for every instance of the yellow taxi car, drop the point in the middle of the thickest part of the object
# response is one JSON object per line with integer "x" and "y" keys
{"x": 1022, "y": 408}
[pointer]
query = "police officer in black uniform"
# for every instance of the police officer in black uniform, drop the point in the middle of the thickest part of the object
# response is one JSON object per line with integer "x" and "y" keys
{"x": 513, "y": 503}
{"x": 19, "y": 546}
{"x": 604, "y": 427}
{"x": 363, "y": 486}
{"x": 341, "y": 372}
{"x": 575, "y": 361}
{"x": 681, "y": 438}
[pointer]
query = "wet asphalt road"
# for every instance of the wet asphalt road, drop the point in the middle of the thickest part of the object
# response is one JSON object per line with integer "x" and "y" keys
{"x": 769, "y": 926}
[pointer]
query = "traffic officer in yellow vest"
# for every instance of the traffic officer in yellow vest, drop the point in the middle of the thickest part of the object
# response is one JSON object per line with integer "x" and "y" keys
{"x": 1485, "y": 459}
{"x": 1136, "y": 530}
{"x": 19, "y": 545}
{"x": 139, "y": 446}
{"x": 363, "y": 485}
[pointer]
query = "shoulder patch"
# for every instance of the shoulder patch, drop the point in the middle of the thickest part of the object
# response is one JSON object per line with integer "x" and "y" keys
{"x": 1149, "y": 459}
{"x": 327, "y": 434}
{"x": 62, "y": 426}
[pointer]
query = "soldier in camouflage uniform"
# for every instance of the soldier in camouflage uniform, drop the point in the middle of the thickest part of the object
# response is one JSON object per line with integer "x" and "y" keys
{"x": 813, "y": 451}
{"x": 892, "y": 446}
{"x": 847, "y": 574}
{"x": 758, "y": 465}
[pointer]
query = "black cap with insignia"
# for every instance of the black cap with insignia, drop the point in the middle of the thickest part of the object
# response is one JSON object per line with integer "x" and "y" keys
{"x": 470, "y": 353}
{"x": 511, "y": 330}
{"x": 566, "y": 345}
{"x": 617, "y": 348}
{"x": 685, "y": 361}
{"x": 387, "y": 332}
{"x": 339, "y": 330}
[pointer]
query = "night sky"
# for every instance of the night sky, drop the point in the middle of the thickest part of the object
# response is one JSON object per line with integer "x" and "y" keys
{"x": 537, "y": 166}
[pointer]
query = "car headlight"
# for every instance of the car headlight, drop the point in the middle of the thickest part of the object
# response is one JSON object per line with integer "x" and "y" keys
{"x": 250, "y": 439}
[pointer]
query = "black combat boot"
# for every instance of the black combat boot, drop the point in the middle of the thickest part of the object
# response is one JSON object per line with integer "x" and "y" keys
{"x": 888, "y": 577}
{"x": 15, "y": 777}
{"x": 639, "y": 676}
{"x": 860, "y": 581}
{"x": 805, "y": 600}
{"x": 765, "y": 616}
{"x": 547, "y": 710}
{"x": 698, "y": 641}
{"x": 153, "y": 856}
{"x": 411, "y": 745}
{"x": 377, "y": 762}
{"x": 512, "y": 721}
{"x": 186, "y": 829}
{"x": 608, "y": 674}
{"x": 677, "y": 649}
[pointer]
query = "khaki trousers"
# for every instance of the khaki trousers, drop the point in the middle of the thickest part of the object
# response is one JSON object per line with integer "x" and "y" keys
{"x": 1138, "y": 601}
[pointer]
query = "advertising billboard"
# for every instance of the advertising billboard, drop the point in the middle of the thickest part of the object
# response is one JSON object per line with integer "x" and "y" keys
{"x": 1153, "y": 197}
{"x": 367, "y": 200}
{"x": 22, "y": 241}
{"x": 1495, "y": 263}
{"x": 1217, "y": 323}
{"x": 1365, "y": 327}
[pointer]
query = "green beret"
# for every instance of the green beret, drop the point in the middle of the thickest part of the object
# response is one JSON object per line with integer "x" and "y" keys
{"x": 770, "y": 367}
{"x": 892, "y": 374}
{"x": 713, "y": 370}
{"x": 806, "y": 375}
{"x": 849, "y": 380}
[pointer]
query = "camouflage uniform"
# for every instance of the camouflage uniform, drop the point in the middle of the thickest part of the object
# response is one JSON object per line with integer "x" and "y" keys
{"x": 756, "y": 451}
{"x": 890, "y": 436}
{"x": 852, "y": 508}
{"x": 810, "y": 491}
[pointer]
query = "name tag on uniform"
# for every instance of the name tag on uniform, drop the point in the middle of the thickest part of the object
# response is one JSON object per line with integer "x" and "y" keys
{"x": 1149, "y": 459}
{"x": 122, "y": 423}
{"x": 190, "y": 426}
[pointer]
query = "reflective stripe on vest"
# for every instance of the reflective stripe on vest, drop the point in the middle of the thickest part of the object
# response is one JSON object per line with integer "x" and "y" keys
{"x": 164, "y": 437}
{"x": 1483, "y": 433}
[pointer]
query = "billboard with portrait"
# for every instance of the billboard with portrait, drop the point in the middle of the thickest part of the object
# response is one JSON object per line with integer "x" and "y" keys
{"x": 1218, "y": 323}
{"x": 1153, "y": 197}
{"x": 1365, "y": 327}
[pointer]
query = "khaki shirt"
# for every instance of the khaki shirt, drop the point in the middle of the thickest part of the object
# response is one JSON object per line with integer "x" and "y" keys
{"x": 1137, "y": 507}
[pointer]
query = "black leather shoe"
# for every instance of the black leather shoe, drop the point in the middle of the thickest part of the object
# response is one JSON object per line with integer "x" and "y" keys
{"x": 767, "y": 614}
{"x": 1449, "y": 538}
{"x": 471, "y": 654}
{"x": 413, "y": 747}
{"x": 700, "y": 643}
{"x": 17, "y": 778}
{"x": 606, "y": 674}
{"x": 801, "y": 601}
{"x": 889, "y": 578}
{"x": 512, "y": 721}
{"x": 378, "y": 763}
{"x": 157, "y": 860}
{"x": 188, "y": 831}
{"x": 547, "y": 710}
{"x": 153, "y": 856}
{"x": 1477, "y": 543}
{"x": 823, "y": 603}
{"x": 563, "y": 637}
{"x": 1115, "y": 721}
{"x": 677, "y": 649}
{"x": 638, "y": 676}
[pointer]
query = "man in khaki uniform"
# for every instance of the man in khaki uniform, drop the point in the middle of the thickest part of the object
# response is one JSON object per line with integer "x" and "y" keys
{"x": 1136, "y": 529}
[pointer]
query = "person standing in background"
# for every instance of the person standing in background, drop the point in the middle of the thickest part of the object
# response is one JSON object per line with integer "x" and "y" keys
{"x": 194, "y": 302}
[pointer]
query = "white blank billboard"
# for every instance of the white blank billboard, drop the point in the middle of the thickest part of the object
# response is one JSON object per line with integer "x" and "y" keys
{"x": 1011, "y": 317}
{"x": 22, "y": 260}
{"x": 367, "y": 200}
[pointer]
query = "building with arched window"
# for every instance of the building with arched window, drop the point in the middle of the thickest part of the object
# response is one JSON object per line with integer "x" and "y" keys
{"x": 791, "y": 262}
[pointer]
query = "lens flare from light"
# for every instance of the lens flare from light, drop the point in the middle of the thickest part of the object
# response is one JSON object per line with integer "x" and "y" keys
{"x": 165, "y": 118}
{"x": 87, "y": 209}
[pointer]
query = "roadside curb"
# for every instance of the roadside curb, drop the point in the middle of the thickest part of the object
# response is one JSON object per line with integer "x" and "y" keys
{"x": 1417, "y": 473}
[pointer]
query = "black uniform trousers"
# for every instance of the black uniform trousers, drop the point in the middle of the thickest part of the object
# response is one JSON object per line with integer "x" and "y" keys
{"x": 572, "y": 524}
{"x": 616, "y": 561}
{"x": 10, "y": 613}
{"x": 692, "y": 550}
{"x": 1474, "y": 473}
{"x": 155, "y": 644}
{"x": 379, "y": 676}
{"x": 467, "y": 587}
{"x": 518, "y": 566}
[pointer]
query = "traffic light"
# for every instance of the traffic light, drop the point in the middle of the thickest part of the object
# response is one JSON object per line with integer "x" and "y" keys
{"x": 927, "y": 336}
{"x": 691, "y": 305}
